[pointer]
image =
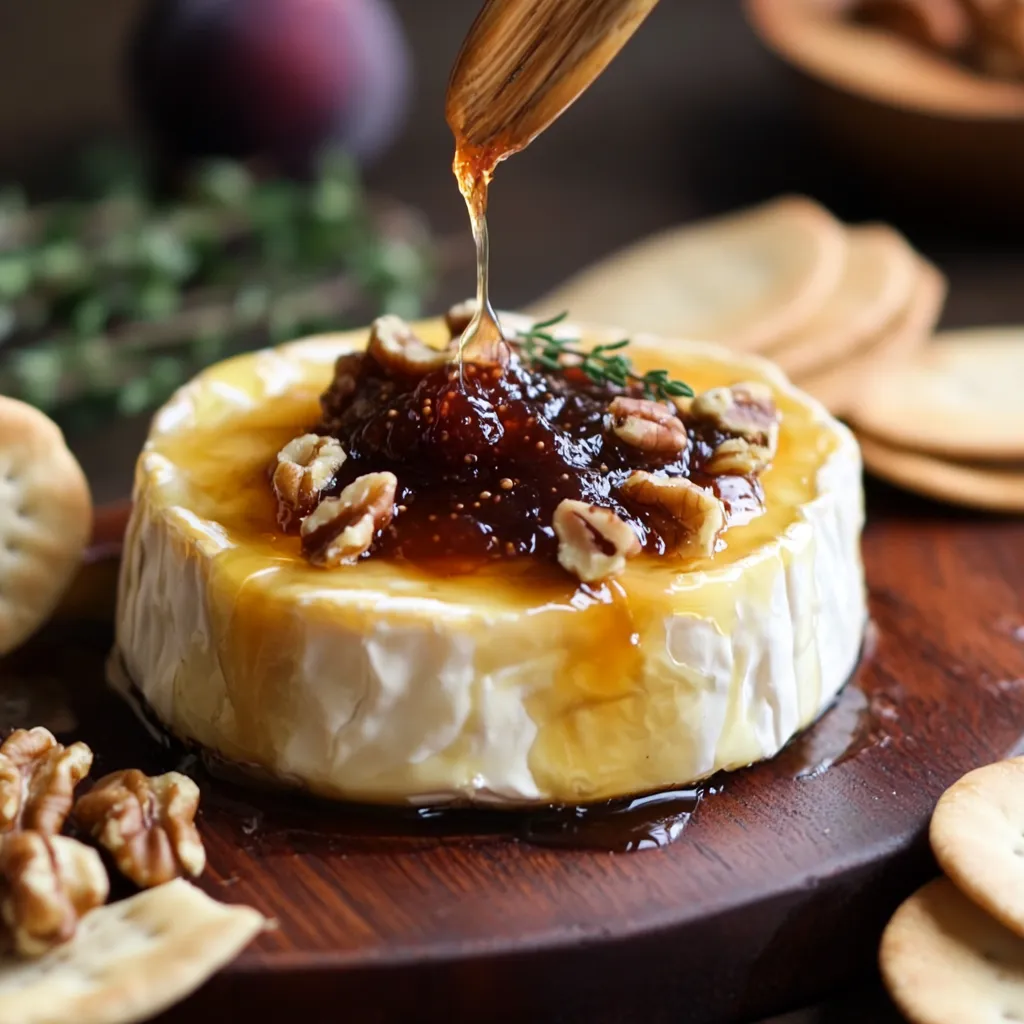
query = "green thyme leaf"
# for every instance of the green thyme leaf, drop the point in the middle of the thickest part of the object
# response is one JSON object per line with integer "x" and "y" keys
{"x": 603, "y": 364}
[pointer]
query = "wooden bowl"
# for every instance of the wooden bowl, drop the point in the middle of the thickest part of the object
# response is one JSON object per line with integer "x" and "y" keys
{"x": 937, "y": 132}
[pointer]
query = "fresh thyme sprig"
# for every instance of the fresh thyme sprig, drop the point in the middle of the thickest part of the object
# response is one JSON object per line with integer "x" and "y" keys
{"x": 111, "y": 298}
{"x": 603, "y": 364}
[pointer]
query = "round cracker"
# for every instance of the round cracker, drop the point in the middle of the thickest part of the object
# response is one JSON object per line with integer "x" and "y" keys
{"x": 995, "y": 488}
{"x": 128, "y": 960}
{"x": 839, "y": 386}
{"x": 961, "y": 397}
{"x": 977, "y": 834}
{"x": 877, "y": 282}
{"x": 747, "y": 279}
{"x": 45, "y": 519}
{"x": 945, "y": 961}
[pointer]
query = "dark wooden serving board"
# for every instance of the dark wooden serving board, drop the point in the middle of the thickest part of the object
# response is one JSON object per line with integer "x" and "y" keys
{"x": 775, "y": 894}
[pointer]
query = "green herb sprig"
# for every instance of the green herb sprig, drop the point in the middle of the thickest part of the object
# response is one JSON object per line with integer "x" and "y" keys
{"x": 111, "y": 298}
{"x": 603, "y": 364}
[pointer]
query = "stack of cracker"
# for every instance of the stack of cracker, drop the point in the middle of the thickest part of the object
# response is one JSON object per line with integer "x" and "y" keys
{"x": 953, "y": 953}
{"x": 848, "y": 312}
{"x": 949, "y": 422}
{"x": 826, "y": 301}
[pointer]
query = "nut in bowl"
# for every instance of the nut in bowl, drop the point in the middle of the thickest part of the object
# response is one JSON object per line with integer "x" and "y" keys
{"x": 559, "y": 579}
{"x": 921, "y": 94}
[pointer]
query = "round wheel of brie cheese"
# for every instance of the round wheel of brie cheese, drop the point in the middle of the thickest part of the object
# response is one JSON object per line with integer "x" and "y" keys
{"x": 345, "y": 657}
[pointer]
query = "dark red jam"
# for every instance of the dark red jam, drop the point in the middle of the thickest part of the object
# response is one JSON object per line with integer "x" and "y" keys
{"x": 483, "y": 458}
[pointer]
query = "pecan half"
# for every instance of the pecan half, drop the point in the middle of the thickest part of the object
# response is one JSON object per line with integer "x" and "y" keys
{"x": 738, "y": 457}
{"x": 698, "y": 511}
{"x": 306, "y": 467}
{"x": 147, "y": 823}
{"x": 593, "y": 542}
{"x": 394, "y": 345}
{"x": 38, "y": 776}
{"x": 743, "y": 410}
{"x": 48, "y": 884}
{"x": 649, "y": 426}
{"x": 343, "y": 528}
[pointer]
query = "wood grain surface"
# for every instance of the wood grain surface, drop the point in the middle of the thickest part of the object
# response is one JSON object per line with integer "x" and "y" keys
{"x": 775, "y": 894}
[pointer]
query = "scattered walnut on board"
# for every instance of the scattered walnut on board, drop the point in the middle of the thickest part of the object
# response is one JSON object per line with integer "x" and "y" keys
{"x": 47, "y": 883}
{"x": 38, "y": 776}
{"x": 147, "y": 823}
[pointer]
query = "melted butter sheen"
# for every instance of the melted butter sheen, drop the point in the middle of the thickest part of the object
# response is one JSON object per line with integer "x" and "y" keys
{"x": 592, "y": 668}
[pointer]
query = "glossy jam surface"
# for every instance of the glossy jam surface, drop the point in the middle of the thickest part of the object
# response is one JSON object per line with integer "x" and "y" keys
{"x": 483, "y": 458}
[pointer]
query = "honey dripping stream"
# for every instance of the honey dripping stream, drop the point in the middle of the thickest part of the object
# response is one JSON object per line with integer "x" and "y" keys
{"x": 483, "y": 338}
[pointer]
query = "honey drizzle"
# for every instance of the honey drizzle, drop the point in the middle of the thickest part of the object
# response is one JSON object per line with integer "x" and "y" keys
{"x": 474, "y": 170}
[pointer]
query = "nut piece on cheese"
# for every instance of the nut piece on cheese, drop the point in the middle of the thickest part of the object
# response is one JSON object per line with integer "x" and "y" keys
{"x": 648, "y": 425}
{"x": 699, "y": 512}
{"x": 593, "y": 542}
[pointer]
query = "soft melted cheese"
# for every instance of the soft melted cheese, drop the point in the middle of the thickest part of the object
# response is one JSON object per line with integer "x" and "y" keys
{"x": 378, "y": 682}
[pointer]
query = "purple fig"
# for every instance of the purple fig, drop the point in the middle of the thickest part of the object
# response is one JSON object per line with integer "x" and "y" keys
{"x": 273, "y": 79}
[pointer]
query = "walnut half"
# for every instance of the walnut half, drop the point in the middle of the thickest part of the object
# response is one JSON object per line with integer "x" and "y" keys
{"x": 38, "y": 776}
{"x": 147, "y": 824}
{"x": 747, "y": 413}
{"x": 306, "y": 467}
{"x": 698, "y": 511}
{"x": 648, "y": 426}
{"x": 48, "y": 884}
{"x": 397, "y": 349}
{"x": 593, "y": 542}
{"x": 743, "y": 410}
{"x": 343, "y": 528}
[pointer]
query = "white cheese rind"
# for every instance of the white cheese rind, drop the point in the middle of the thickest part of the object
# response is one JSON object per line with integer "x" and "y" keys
{"x": 384, "y": 693}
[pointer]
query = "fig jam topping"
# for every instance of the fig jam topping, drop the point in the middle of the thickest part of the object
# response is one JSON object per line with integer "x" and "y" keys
{"x": 483, "y": 455}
